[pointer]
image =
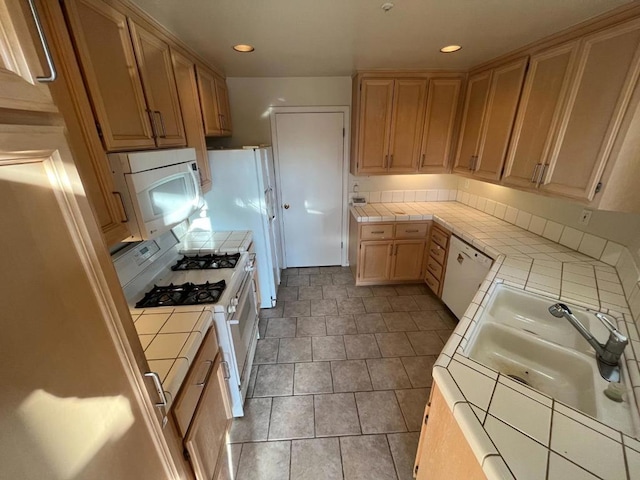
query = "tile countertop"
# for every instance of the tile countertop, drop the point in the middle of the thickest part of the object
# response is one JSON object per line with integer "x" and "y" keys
{"x": 199, "y": 242}
{"x": 170, "y": 340}
{"x": 550, "y": 440}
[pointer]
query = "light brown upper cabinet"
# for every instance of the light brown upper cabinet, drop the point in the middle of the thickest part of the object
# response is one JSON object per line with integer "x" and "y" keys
{"x": 214, "y": 103}
{"x": 538, "y": 115}
{"x": 156, "y": 71}
{"x": 133, "y": 93}
{"x": 440, "y": 120}
{"x": 605, "y": 76}
{"x": 185, "y": 73}
{"x": 490, "y": 109}
{"x": 20, "y": 64}
{"x": 391, "y": 116}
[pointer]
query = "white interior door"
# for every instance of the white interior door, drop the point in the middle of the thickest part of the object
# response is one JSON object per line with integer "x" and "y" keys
{"x": 310, "y": 165}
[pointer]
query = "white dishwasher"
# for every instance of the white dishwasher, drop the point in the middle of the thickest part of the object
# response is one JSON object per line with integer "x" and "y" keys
{"x": 466, "y": 269}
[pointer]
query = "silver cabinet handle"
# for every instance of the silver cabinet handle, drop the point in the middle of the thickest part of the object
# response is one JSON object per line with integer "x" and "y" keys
{"x": 422, "y": 160}
{"x": 534, "y": 175}
{"x": 377, "y": 231}
{"x": 53, "y": 74}
{"x": 158, "y": 384}
{"x": 206, "y": 375}
{"x": 411, "y": 231}
{"x": 164, "y": 130}
{"x": 154, "y": 127}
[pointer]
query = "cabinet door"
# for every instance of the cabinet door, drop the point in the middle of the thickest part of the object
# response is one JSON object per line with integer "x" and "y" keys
{"x": 374, "y": 263}
{"x": 474, "y": 106}
{"x": 185, "y": 73}
{"x": 439, "y": 124}
{"x": 506, "y": 85}
{"x": 538, "y": 114}
{"x": 222, "y": 98}
{"x": 72, "y": 100}
{"x": 20, "y": 64}
{"x": 444, "y": 451}
{"x": 606, "y": 72}
{"x": 209, "y": 425}
{"x": 408, "y": 260}
{"x": 104, "y": 50}
{"x": 209, "y": 103}
{"x": 376, "y": 99}
{"x": 156, "y": 71}
{"x": 406, "y": 125}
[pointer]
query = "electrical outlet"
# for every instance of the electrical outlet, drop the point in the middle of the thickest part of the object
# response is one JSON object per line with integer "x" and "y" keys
{"x": 585, "y": 216}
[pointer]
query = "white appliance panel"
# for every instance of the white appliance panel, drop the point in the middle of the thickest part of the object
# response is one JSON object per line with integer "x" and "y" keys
{"x": 238, "y": 201}
{"x": 466, "y": 270}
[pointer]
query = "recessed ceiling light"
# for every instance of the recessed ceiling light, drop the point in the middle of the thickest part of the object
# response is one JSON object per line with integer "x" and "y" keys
{"x": 386, "y": 6}
{"x": 450, "y": 48}
{"x": 243, "y": 48}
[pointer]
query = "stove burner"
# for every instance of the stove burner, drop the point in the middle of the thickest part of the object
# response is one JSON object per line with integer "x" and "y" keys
{"x": 205, "y": 262}
{"x": 185, "y": 294}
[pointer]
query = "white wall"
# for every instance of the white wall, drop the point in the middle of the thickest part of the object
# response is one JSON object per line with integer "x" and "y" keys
{"x": 251, "y": 98}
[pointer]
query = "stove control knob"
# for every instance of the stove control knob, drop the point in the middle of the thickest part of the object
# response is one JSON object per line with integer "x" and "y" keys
{"x": 231, "y": 309}
{"x": 248, "y": 268}
{"x": 234, "y": 302}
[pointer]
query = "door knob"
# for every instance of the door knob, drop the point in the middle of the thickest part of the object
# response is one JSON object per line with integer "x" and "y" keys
{"x": 286, "y": 206}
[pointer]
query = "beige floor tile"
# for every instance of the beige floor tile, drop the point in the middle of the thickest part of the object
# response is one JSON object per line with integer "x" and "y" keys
{"x": 425, "y": 343}
{"x": 412, "y": 402}
{"x": 316, "y": 459}
{"x": 336, "y": 414}
{"x": 275, "y": 312}
{"x": 379, "y": 412}
{"x": 411, "y": 289}
{"x": 324, "y": 307}
{"x": 312, "y": 377}
{"x": 340, "y": 325}
{"x": 310, "y": 293}
{"x": 387, "y": 373}
{"x": 328, "y": 348}
{"x": 292, "y": 417}
{"x": 428, "y": 302}
{"x": 274, "y": 380}
{"x": 321, "y": 279}
{"x": 294, "y": 350}
{"x": 361, "y": 346}
{"x": 419, "y": 369}
{"x": 394, "y": 344}
{"x": 281, "y": 327}
{"x": 264, "y": 461}
{"x": 403, "y": 450}
{"x": 365, "y": 454}
{"x": 350, "y": 306}
{"x": 399, "y": 322}
{"x": 287, "y": 293}
{"x": 298, "y": 281}
{"x": 298, "y": 308}
{"x": 384, "y": 291}
{"x": 254, "y": 426}
{"x": 350, "y": 376}
{"x": 354, "y": 291}
{"x": 377, "y": 304}
{"x": 266, "y": 351}
{"x": 370, "y": 323}
{"x": 334, "y": 291}
{"x": 311, "y": 326}
{"x": 403, "y": 304}
{"x": 429, "y": 320}
{"x": 230, "y": 459}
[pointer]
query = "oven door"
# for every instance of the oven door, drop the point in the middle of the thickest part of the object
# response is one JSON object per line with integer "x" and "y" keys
{"x": 243, "y": 323}
{"x": 164, "y": 197}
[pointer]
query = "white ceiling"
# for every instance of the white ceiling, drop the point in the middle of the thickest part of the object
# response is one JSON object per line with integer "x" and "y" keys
{"x": 337, "y": 37}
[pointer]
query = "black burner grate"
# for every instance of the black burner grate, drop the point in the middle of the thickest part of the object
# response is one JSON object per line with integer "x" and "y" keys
{"x": 206, "y": 262}
{"x": 185, "y": 294}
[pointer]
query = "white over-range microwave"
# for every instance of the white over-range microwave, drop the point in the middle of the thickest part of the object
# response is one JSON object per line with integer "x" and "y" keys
{"x": 159, "y": 189}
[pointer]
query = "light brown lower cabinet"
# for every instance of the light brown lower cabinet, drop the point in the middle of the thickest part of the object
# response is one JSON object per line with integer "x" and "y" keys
{"x": 392, "y": 252}
{"x": 206, "y": 436}
{"x": 443, "y": 451}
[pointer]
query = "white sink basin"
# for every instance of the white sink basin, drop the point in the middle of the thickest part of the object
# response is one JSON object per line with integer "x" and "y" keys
{"x": 557, "y": 371}
{"x": 518, "y": 337}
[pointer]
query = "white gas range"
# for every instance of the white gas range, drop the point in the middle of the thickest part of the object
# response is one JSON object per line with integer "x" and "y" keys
{"x": 151, "y": 286}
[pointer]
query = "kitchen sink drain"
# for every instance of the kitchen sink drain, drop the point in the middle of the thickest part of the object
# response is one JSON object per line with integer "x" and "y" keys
{"x": 519, "y": 379}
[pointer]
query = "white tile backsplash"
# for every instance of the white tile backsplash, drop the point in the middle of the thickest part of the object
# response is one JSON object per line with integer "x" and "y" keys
{"x": 571, "y": 238}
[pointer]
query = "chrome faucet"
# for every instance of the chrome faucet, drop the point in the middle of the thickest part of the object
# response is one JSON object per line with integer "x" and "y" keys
{"x": 607, "y": 355}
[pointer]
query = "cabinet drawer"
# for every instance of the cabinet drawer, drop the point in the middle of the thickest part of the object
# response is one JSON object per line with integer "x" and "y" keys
{"x": 439, "y": 237}
{"x": 195, "y": 381}
{"x": 433, "y": 283}
{"x": 435, "y": 268}
{"x": 376, "y": 232}
{"x": 411, "y": 230}
{"x": 437, "y": 253}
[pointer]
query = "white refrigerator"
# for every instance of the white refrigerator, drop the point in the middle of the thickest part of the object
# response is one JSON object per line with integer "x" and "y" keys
{"x": 243, "y": 197}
